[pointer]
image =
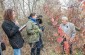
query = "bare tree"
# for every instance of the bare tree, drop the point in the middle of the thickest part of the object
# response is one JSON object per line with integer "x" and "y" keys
{"x": 1, "y": 4}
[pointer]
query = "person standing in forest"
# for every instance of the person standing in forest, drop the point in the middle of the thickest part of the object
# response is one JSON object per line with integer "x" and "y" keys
{"x": 41, "y": 26}
{"x": 69, "y": 34}
{"x": 11, "y": 28}
{"x": 33, "y": 32}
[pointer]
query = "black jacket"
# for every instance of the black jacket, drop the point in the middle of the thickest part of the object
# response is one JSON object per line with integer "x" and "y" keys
{"x": 14, "y": 36}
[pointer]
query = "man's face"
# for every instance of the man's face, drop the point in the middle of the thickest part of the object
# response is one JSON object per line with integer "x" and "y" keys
{"x": 35, "y": 16}
{"x": 64, "y": 21}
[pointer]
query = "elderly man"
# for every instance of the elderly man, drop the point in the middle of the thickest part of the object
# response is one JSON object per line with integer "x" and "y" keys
{"x": 69, "y": 33}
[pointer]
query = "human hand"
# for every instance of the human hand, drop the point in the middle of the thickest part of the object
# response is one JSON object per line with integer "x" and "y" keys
{"x": 71, "y": 39}
{"x": 16, "y": 22}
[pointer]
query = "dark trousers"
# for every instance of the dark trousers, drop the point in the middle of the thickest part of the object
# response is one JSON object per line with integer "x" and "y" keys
{"x": 70, "y": 48}
{"x": 35, "y": 50}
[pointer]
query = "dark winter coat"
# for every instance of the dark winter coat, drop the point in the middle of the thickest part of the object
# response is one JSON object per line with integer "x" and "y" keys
{"x": 14, "y": 36}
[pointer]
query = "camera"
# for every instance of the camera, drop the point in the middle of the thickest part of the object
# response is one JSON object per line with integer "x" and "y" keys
{"x": 39, "y": 19}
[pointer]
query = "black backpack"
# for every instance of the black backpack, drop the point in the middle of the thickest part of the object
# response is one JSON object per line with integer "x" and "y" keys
{"x": 3, "y": 46}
